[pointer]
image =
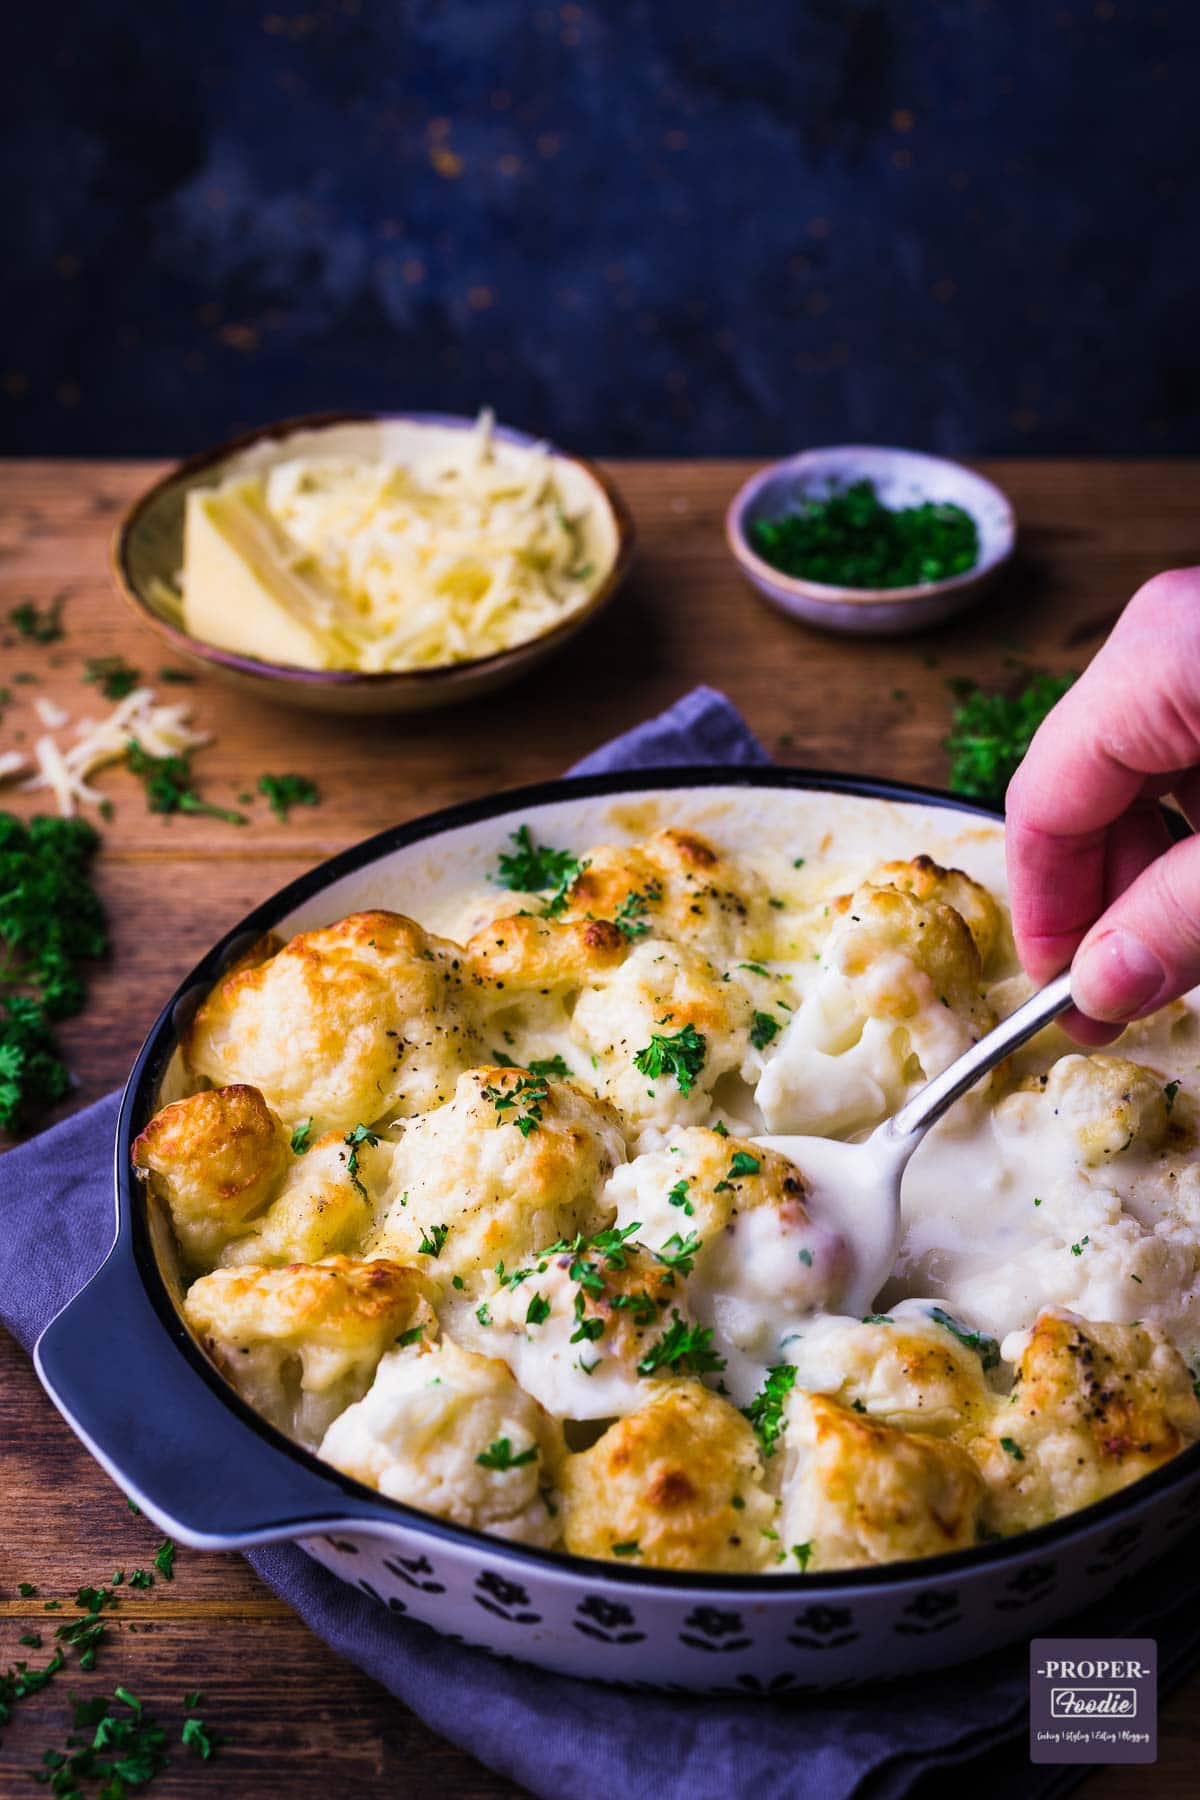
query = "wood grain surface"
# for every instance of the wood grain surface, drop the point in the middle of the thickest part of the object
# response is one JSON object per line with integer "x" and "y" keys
{"x": 300, "y": 1721}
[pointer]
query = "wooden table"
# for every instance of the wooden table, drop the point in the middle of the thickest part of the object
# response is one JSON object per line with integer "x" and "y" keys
{"x": 300, "y": 1719}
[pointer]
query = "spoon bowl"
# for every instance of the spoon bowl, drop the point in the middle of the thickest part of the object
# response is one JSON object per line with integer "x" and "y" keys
{"x": 857, "y": 1186}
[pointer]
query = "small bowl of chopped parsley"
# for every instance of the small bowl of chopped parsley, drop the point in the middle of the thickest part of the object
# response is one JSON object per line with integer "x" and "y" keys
{"x": 861, "y": 538}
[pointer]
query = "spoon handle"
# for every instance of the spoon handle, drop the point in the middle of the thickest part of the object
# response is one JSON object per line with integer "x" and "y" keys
{"x": 913, "y": 1120}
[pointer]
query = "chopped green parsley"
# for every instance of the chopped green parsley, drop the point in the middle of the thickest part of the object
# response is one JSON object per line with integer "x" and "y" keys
{"x": 986, "y": 1348}
{"x": 680, "y": 1054}
{"x": 765, "y": 1411}
{"x": 500, "y": 1456}
{"x": 285, "y": 791}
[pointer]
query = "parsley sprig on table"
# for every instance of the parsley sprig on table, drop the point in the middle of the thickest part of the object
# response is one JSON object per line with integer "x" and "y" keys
{"x": 115, "y": 678}
{"x": 51, "y": 925}
{"x": 41, "y": 625}
{"x": 680, "y": 1054}
{"x": 169, "y": 785}
{"x": 285, "y": 791}
{"x": 990, "y": 733}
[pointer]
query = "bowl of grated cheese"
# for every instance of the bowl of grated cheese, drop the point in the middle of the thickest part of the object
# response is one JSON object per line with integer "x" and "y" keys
{"x": 362, "y": 563}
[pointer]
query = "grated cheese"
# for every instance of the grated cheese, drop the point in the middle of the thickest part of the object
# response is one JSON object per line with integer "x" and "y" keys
{"x": 50, "y": 713}
{"x": 11, "y": 763}
{"x": 159, "y": 730}
{"x": 468, "y": 547}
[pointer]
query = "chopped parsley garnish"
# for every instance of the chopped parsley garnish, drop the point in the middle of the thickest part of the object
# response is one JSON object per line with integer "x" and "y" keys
{"x": 356, "y": 1139}
{"x": 177, "y": 676}
{"x": 721, "y": 1128}
{"x": 532, "y": 868}
{"x": 521, "y": 1104}
{"x": 678, "y": 1196}
{"x": 538, "y": 1310}
{"x": 164, "y": 1560}
{"x": 683, "y": 1349}
{"x": 433, "y": 1242}
{"x": 629, "y": 917}
{"x": 112, "y": 675}
{"x": 51, "y": 924}
{"x": 986, "y": 1348}
{"x": 630, "y": 1548}
{"x": 1170, "y": 1092}
{"x": 41, "y": 625}
{"x": 500, "y": 1456}
{"x": 803, "y": 1554}
{"x": 682, "y": 1256}
{"x": 743, "y": 1163}
{"x": 412, "y": 1336}
{"x": 587, "y": 1330}
{"x": 482, "y": 1314}
{"x": 169, "y": 786}
{"x": 765, "y": 1411}
{"x": 141, "y": 1578}
{"x": 543, "y": 1066}
{"x": 763, "y": 1029}
{"x": 990, "y": 733}
{"x": 285, "y": 791}
{"x": 806, "y": 1257}
{"x": 1077, "y": 1249}
{"x": 755, "y": 969}
{"x": 1014, "y": 1449}
{"x": 301, "y": 1137}
{"x": 878, "y": 1319}
{"x": 681, "y": 1054}
{"x": 848, "y": 537}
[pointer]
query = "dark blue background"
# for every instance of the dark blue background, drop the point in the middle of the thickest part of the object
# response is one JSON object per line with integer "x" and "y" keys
{"x": 666, "y": 227}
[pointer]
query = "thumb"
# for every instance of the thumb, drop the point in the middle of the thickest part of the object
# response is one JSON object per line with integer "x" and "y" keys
{"x": 1145, "y": 950}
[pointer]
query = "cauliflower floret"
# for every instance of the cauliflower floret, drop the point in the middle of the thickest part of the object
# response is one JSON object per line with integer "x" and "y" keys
{"x": 927, "y": 880}
{"x": 325, "y": 1204}
{"x": 898, "y": 996}
{"x": 757, "y": 1260}
{"x": 217, "y": 1159}
{"x": 676, "y": 1485}
{"x": 452, "y": 1433}
{"x": 918, "y": 1367}
{"x": 1103, "y": 1106}
{"x": 342, "y": 1026}
{"x": 675, "y": 885}
{"x": 301, "y": 1343}
{"x": 856, "y": 1491}
{"x": 528, "y": 972}
{"x": 513, "y": 1162}
{"x": 589, "y": 1323}
{"x": 663, "y": 1029}
{"x": 1093, "y": 1407}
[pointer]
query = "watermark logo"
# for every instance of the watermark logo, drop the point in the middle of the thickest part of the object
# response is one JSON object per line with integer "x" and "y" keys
{"x": 1093, "y": 1700}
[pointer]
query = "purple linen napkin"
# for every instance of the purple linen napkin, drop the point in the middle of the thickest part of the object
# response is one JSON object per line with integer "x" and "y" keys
{"x": 561, "y": 1738}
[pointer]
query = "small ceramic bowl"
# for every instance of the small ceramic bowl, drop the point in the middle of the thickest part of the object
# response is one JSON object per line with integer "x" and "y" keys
{"x": 147, "y": 555}
{"x": 901, "y": 478}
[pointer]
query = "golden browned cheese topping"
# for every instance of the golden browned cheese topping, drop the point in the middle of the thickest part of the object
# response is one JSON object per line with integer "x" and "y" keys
{"x": 676, "y": 1485}
{"x": 219, "y": 1158}
{"x": 343, "y": 1025}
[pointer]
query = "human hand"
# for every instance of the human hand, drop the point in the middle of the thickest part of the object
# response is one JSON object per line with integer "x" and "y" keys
{"x": 1092, "y": 869}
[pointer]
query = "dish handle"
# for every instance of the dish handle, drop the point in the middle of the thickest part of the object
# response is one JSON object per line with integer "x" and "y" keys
{"x": 176, "y": 1445}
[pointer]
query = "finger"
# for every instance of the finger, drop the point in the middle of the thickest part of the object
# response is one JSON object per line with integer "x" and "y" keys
{"x": 1134, "y": 713}
{"x": 1146, "y": 948}
{"x": 1134, "y": 842}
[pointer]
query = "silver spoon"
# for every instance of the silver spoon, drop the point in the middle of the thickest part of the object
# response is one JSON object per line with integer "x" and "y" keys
{"x": 857, "y": 1186}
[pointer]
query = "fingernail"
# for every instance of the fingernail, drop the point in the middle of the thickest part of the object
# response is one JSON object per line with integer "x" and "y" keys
{"x": 1116, "y": 977}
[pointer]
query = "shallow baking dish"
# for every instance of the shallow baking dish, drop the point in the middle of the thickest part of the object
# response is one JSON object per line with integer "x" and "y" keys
{"x": 125, "y": 1373}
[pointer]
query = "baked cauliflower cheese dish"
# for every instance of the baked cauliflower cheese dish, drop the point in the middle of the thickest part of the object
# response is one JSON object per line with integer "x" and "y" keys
{"x": 478, "y": 1215}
